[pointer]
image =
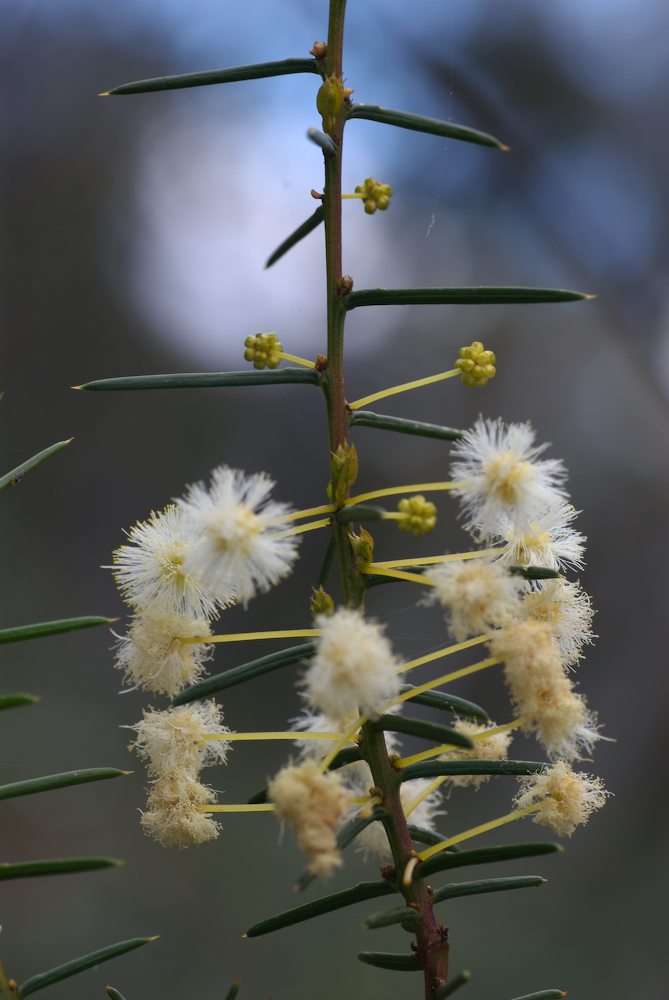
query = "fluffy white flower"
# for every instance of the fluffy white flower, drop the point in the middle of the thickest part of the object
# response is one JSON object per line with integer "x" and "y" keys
{"x": 354, "y": 666}
{"x": 173, "y": 817}
{"x": 567, "y": 798}
{"x": 487, "y": 746}
{"x": 373, "y": 839}
{"x": 568, "y": 610}
{"x": 548, "y": 541}
{"x": 499, "y": 474}
{"x": 181, "y": 737}
{"x": 151, "y": 567}
{"x": 154, "y": 655}
{"x": 241, "y": 546}
{"x": 476, "y": 594}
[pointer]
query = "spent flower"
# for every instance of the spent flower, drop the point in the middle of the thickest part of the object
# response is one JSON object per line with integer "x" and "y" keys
{"x": 566, "y": 798}
{"x": 156, "y": 655}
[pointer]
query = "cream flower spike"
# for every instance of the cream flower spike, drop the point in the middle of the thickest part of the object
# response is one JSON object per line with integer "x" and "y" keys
{"x": 499, "y": 474}
{"x": 476, "y": 594}
{"x": 242, "y": 546}
{"x": 181, "y": 737}
{"x": 546, "y": 703}
{"x": 566, "y": 798}
{"x": 548, "y": 541}
{"x": 149, "y": 568}
{"x": 373, "y": 839}
{"x": 567, "y": 608}
{"x": 174, "y": 817}
{"x": 154, "y": 656}
{"x": 354, "y": 666}
{"x": 313, "y": 805}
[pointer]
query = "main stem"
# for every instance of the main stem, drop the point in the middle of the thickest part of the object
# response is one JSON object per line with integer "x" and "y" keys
{"x": 431, "y": 945}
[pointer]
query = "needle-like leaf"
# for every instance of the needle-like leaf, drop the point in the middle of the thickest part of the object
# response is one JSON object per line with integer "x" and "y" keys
{"x": 233, "y": 74}
{"x": 77, "y": 965}
{"x": 14, "y": 477}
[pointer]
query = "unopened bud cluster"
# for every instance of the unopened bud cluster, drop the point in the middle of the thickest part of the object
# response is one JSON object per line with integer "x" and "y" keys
{"x": 263, "y": 349}
{"x": 419, "y": 515}
{"x": 476, "y": 364}
{"x": 375, "y": 195}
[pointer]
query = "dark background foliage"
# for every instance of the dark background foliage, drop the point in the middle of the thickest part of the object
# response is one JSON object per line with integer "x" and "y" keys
{"x": 134, "y": 235}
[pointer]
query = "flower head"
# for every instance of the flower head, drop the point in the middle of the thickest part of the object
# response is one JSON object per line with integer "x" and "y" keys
{"x": 150, "y": 568}
{"x": 548, "y": 541}
{"x": 155, "y": 656}
{"x": 545, "y": 700}
{"x": 181, "y": 737}
{"x": 567, "y": 798}
{"x": 313, "y": 804}
{"x": 477, "y": 595}
{"x": 499, "y": 475}
{"x": 241, "y": 547}
{"x": 354, "y": 666}
{"x": 173, "y": 817}
{"x": 568, "y": 610}
{"x": 487, "y": 746}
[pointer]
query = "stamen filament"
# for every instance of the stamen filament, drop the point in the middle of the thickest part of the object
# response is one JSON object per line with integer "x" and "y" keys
{"x": 297, "y": 515}
{"x": 298, "y": 735}
{"x": 476, "y": 830}
{"x": 446, "y": 651}
{"x": 445, "y": 747}
{"x": 391, "y": 491}
{"x": 244, "y": 808}
{"x": 397, "y": 574}
{"x": 298, "y": 360}
{"x": 433, "y": 560}
{"x": 287, "y": 633}
{"x": 430, "y": 685}
{"x": 404, "y": 387}
{"x": 300, "y": 529}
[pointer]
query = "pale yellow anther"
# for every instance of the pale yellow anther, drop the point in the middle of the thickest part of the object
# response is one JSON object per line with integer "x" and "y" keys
{"x": 418, "y": 515}
{"x": 475, "y": 364}
{"x": 265, "y": 350}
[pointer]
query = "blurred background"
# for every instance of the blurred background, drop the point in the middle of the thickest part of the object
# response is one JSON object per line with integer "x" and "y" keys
{"x": 133, "y": 240}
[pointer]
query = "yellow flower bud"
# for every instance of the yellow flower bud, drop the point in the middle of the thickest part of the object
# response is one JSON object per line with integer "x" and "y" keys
{"x": 375, "y": 195}
{"x": 329, "y": 101}
{"x": 476, "y": 364}
{"x": 420, "y": 515}
{"x": 264, "y": 350}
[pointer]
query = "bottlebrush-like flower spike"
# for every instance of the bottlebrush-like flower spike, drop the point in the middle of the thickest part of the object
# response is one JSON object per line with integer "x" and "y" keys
{"x": 568, "y": 610}
{"x": 313, "y": 804}
{"x": 354, "y": 666}
{"x": 174, "y": 815}
{"x": 241, "y": 546}
{"x": 499, "y": 475}
{"x": 150, "y": 567}
{"x": 181, "y": 737}
{"x": 477, "y": 595}
{"x": 154, "y": 655}
{"x": 565, "y": 798}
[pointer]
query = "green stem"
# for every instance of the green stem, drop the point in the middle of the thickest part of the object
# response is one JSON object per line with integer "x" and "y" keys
{"x": 431, "y": 939}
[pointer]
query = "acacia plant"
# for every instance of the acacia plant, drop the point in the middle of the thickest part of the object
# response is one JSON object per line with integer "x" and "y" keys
{"x": 223, "y": 542}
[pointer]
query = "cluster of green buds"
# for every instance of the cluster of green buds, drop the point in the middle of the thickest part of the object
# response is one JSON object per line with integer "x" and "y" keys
{"x": 264, "y": 350}
{"x": 418, "y": 515}
{"x": 374, "y": 195}
{"x": 475, "y": 364}
{"x": 330, "y": 100}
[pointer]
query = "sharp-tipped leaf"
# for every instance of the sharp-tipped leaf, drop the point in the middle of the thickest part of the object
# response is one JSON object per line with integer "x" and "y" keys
{"x": 483, "y": 856}
{"x": 233, "y": 991}
{"x": 445, "y": 702}
{"x": 64, "y": 780}
{"x": 422, "y": 729}
{"x": 308, "y": 226}
{"x": 245, "y": 672}
{"x": 233, "y": 74}
{"x": 326, "y": 904}
{"x": 534, "y": 572}
{"x": 114, "y": 994}
{"x": 205, "y": 380}
{"x": 16, "y": 475}
{"x": 486, "y": 885}
{"x": 365, "y": 418}
{"x": 420, "y": 123}
{"x": 17, "y": 700}
{"x": 359, "y": 512}
{"x": 391, "y": 961}
{"x": 385, "y": 918}
{"x": 448, "y": 989}
{"x": 477, "y": 295}
{"x": 19, "y": 633}
{"x": 77, "y": 965}
{"x": 543, "y": 995}
{"x": 434, "y": 768}
{"x": 422, "y": 836}
{"x": 54, "y": 866}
